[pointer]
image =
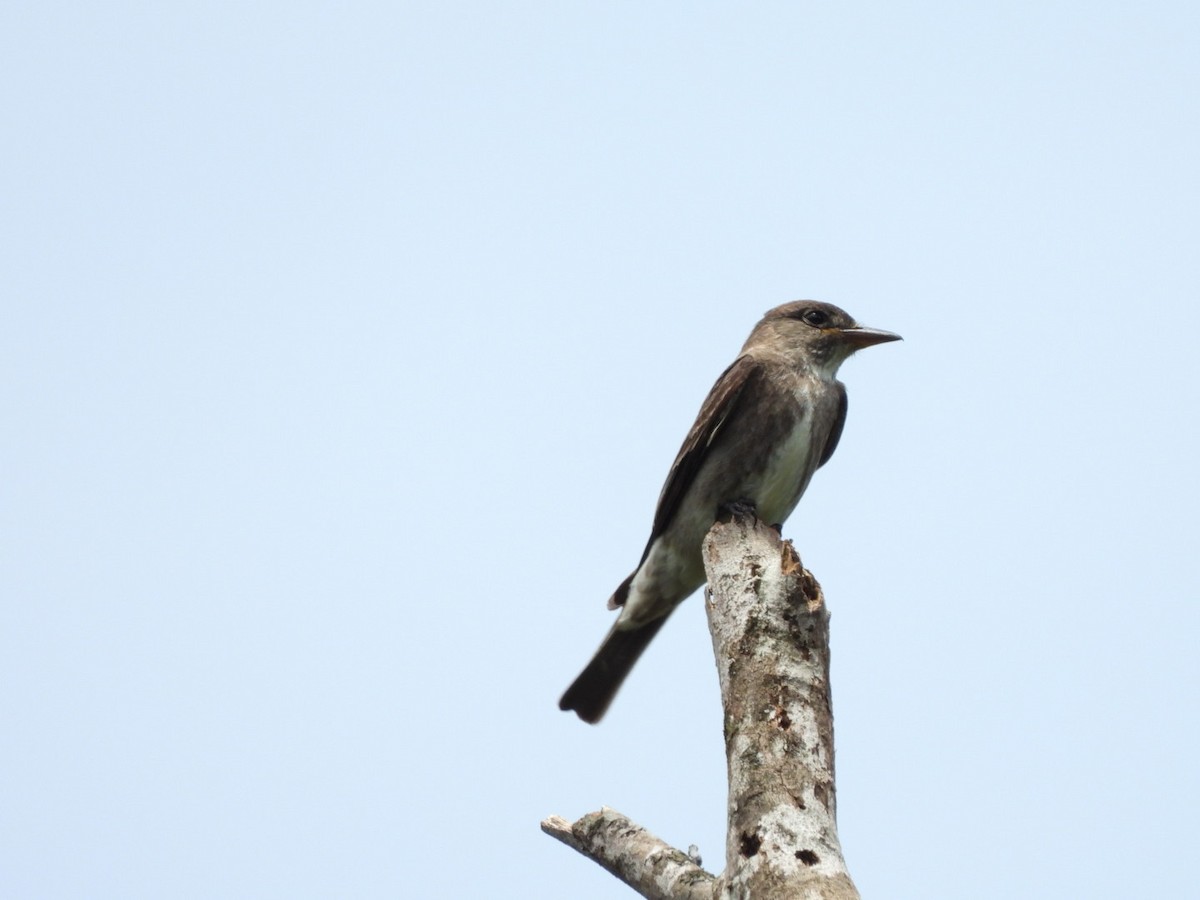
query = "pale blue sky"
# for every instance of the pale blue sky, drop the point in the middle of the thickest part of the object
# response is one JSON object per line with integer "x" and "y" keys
{"x": 346, "y": 348}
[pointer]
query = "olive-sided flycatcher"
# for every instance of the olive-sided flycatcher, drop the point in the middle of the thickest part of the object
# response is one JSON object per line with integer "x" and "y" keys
{"x": 772, "y": 419}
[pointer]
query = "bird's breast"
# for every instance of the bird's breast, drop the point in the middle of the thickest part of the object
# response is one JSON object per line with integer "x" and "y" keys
{"x": 789, "y": 467}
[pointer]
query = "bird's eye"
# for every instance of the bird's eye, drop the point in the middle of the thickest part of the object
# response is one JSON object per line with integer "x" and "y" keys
{"x": 815, "y": 317}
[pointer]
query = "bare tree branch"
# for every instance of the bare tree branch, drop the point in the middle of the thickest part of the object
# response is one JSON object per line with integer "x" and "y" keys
{"x": 646, "y": 863}
{"x": 770, "y": 633}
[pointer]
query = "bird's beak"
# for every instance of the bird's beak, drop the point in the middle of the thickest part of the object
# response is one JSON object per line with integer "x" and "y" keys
{"x": 859, "y": 337}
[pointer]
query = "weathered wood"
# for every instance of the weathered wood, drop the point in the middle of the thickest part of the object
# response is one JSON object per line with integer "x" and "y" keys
{"x": 770, "y": 632}
{"x": 646, "y": 863}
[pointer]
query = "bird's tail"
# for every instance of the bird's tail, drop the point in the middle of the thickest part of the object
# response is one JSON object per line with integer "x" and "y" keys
{"x": 591, "y": 693}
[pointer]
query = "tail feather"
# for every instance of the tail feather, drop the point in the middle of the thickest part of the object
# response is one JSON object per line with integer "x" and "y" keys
{"x": 591, "y": 693}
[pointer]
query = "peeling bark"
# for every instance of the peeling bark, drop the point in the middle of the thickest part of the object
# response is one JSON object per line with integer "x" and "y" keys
{"x": 770, "y": 633}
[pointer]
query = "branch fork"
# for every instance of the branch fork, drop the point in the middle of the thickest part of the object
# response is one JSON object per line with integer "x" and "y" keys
{"x": 770, "y": 632}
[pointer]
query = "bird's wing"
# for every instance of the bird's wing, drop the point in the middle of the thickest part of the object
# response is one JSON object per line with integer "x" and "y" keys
{"x": 835, "y": 430}
{"x": 721, "y": 403}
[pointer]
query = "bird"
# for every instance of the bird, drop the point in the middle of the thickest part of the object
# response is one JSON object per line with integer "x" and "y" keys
{"x": 774, "y": 417}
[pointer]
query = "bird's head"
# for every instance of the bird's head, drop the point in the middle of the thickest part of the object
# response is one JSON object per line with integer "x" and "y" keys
{"x": 819, "y": 335}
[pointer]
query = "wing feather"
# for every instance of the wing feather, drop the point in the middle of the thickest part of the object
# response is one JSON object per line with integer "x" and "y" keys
{"x": 721, "y": 403}
{"x": 835, "y": 430}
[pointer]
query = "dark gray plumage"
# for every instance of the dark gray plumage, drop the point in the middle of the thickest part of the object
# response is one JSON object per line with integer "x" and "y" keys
{"x": 772, "y": 419}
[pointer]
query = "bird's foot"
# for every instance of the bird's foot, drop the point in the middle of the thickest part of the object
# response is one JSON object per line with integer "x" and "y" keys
{"x": 739, "y": 509}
